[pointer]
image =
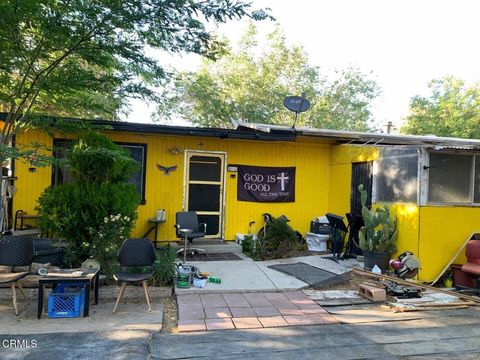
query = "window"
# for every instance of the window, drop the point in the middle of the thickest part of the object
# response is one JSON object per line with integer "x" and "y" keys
{"x": 139, "y": 154}
{"x": 451, "y": 178}
{"x": 61, "y": 175}
{"x": 396, "y": 175}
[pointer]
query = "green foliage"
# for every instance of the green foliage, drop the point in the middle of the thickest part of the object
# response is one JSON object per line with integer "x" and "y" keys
{"x": 248, "y": 246}
{"x": 88, "y": 58}
{"x": 34, "y": 154}
{"x": 106, "y": 241}
{"x": 164, "y": 267}
{"x": 75, "y": 211}
{"x": 452, "y": 109}
{"x": 250, "y": 83}
{"x": 380, "y": 231}
{"x": 96, "y": 159}
{"x": 278, "y": 242}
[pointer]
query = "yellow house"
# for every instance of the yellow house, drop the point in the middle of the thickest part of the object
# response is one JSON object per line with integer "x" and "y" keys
{"x": 232, "y": 176}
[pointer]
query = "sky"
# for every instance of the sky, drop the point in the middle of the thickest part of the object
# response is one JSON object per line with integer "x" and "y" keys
{"x": 405, "y": 44}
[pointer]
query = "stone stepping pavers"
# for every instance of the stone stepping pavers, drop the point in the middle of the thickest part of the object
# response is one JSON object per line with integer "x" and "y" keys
{"x": 200, "y": 312}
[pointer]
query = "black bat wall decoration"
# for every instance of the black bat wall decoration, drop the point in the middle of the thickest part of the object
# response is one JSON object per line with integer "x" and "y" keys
{"x": 167, "y": 169}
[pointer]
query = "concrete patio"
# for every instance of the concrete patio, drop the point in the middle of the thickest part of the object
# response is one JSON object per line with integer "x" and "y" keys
{"x": 247, "y": 275}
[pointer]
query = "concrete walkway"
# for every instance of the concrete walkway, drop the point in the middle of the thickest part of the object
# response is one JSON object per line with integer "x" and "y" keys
{"x": 247, "y": 275}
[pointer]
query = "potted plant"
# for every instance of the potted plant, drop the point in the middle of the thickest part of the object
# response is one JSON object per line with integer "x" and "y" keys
{"x": 378, "y": 236}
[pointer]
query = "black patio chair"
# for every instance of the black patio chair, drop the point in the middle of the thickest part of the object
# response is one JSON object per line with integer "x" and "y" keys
{"x": 135, "y": 253}
{"x": 15, "y": 251}
{"x": 45, "y": 252}
{"x": 188, "y": 220}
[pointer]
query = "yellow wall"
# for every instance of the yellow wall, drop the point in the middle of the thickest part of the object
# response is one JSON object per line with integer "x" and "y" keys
{"x": 312, "y": 160}
{"x": 30, "y": 185}
{"x": 443, "y": 230}
{"x": 342, "y": 158}
{"x": 408, "y": 216}
{"x": 323, "y": 182}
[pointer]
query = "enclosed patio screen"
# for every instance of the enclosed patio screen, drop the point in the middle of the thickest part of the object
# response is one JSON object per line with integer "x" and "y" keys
{"x": 449, "y": 178}
{"x": 453, "y": 178}
{"x": 396, "y": 176}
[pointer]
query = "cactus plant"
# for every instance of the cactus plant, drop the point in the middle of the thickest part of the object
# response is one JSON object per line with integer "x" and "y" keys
{"x": 380, "y": 231}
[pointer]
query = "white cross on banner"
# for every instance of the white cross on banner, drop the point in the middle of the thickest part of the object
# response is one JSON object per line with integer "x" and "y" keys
{"x": 266, "y": 184}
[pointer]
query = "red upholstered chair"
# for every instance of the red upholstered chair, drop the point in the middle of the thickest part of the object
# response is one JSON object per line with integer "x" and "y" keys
{"x": 472, "y": 266}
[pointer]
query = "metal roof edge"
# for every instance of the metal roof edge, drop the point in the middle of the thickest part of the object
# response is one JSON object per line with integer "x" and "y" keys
{"x": 365, "y": 138}
{"x": 222, "y": 133}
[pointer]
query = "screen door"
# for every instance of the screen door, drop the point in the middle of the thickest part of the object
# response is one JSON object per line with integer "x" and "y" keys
{"x": 204, "y": 192}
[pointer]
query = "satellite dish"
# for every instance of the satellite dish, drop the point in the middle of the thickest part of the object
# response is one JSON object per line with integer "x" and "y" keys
{"x": 297, "y": 104}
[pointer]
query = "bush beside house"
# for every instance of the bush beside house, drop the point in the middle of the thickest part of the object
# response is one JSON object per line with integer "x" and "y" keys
{"x": 96, "y": 211}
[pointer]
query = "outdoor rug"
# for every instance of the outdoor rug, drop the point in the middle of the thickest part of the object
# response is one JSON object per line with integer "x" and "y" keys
{"x": 311, "y": 275}
{"x": 211, "y": 257}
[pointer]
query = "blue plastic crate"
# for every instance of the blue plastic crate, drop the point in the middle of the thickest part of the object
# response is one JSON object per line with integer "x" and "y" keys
{"x": 66, "y": 301}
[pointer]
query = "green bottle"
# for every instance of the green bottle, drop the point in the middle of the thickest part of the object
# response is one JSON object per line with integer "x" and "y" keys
{"x": 215, "y": 280}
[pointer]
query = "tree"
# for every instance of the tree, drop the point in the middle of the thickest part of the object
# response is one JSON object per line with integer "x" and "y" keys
{"x": 87, "y": 58}
{"x": 250, "y": 83}
{"x": 452, "y": 109}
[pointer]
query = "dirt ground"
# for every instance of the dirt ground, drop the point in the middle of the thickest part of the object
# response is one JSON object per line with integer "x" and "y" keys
{"x": 170, "y": 315}
{"x": 353, "y": 280}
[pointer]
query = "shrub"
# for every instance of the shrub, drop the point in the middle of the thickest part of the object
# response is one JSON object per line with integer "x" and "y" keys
{"x": 76, "y": 211}
{"x": 107, "y": 240}
{"x": 96, "y": 159}
{"x": 164, "y": 267}
{"x": 248, "y": 245}
{"x": 278, "y": 242}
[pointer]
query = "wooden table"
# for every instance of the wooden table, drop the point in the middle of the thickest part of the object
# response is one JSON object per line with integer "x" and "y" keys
{"x": 88, "y": 278}
{"x": 155, "y": 223}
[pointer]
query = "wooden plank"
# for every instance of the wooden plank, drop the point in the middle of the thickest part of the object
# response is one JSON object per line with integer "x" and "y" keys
{"x": 429, "y": 308}
{"x": 453, "y": 258}
{"x": 408, "y": 283}
{"x": 456, "y": 303}
{"x": 342, "y": 302}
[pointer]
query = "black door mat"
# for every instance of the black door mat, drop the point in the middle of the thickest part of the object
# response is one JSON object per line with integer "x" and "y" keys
{"x": 311, "y": 275}
{"x": 211, "y": 257}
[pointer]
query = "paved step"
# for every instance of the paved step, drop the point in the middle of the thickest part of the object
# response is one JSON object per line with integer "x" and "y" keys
{"x": 213, "y": 246}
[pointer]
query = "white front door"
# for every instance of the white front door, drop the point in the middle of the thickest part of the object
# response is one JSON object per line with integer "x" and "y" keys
{"x": 204, "y": 190}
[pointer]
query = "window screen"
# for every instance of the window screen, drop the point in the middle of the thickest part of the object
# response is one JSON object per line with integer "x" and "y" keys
{"x": 396, "y": 178}
{"x": 476, "y": 191}
{"x": 204, "y": 197}
{"x": 61, "y": 174}
{"x": 205, "y": 168}
{"x": 449, "y": 178}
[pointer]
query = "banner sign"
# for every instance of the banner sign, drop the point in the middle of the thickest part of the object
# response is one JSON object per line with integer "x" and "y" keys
{"x": 266, "y": 184}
